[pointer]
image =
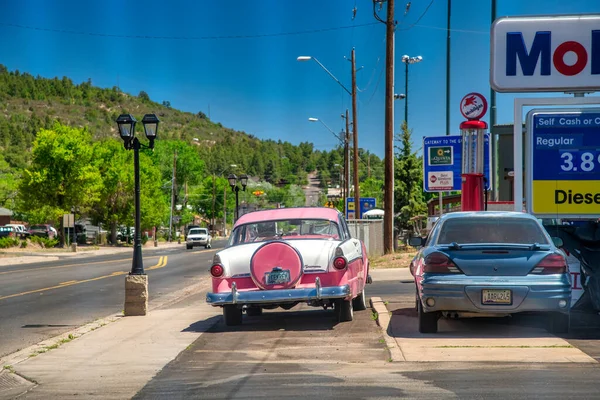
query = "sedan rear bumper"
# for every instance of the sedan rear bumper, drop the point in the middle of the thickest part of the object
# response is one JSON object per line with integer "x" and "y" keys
{"x": 278, "y": 296}
{"x": 539, "y": 293}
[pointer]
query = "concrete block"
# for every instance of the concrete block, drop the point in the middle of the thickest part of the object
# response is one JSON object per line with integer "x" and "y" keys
{"x": 136, "y": 295}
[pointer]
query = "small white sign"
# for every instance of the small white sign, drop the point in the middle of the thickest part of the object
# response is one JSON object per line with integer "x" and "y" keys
{"x": 556, "y": 53}
{"x": 440, "y": 180}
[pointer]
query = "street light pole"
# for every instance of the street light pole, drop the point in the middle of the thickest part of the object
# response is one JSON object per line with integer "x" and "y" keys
{"x": 136, "y": 283}
{"x": 232, "y": 178}
{"x": 354, "y": 120}
{"x": 137, "y": 267}
{"x": 408, "y": 60}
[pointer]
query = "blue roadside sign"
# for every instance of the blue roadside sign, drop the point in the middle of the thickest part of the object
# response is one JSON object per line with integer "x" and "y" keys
{"x": 442, "y": 163}
{"x": 563, "y": 165}
{"x": 366, "y": 204}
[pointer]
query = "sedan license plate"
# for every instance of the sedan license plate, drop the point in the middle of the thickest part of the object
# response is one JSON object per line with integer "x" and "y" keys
{"x": 495, "y": 296}
{"x": 278, "y": 277}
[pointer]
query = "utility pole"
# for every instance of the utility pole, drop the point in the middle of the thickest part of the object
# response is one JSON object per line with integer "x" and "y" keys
{"x": 347, "y": 158}
{"x": 494, "y": 163}
{"x": 448, "y": 69}
{"x": 172, "y": 196}
{"x": 388, "y": 216}
{"x": 213, "y": 220}
{"x": 355, "y": 131}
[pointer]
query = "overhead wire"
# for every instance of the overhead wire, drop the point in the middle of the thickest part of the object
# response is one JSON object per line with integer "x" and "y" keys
{"x": 111, "y": 35}
{"x": 418, "y": 19}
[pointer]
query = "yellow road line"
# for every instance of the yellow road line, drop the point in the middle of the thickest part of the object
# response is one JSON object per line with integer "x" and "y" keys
{"x": 65, "y": 284}
{"x": 162, "y": 261}
{"x": 62, "y": 266}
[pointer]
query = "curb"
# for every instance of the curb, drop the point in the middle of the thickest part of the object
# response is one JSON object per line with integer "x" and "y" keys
{"x": 383, "y": 320}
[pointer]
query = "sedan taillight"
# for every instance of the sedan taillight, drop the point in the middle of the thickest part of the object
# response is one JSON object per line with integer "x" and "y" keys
{"x": 439, "y": 263}
{"x": 217, "y": 270}
{"x": 551, "y": 264}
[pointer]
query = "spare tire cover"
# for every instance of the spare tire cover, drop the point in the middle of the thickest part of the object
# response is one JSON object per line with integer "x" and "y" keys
{"x": 273, "y": 257}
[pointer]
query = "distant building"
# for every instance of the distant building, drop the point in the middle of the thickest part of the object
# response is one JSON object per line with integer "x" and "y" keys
{"x": 5, "y": 215}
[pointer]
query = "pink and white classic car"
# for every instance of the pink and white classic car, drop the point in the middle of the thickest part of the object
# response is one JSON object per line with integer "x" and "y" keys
{"x": 283, "y": 257}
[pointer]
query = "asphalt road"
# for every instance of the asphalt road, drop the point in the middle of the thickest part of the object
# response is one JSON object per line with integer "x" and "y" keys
{"x": 302, "y": 353}
{"x": 42, "y": 300}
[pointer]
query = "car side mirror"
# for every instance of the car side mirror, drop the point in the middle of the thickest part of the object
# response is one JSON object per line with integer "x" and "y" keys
{"x": 416, "y": 241}
{"x": 558, "y": 242}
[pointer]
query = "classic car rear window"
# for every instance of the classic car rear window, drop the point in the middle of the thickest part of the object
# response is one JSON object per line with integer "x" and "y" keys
{"x": 491, "y": 230}
{"x": 284, "y": 229}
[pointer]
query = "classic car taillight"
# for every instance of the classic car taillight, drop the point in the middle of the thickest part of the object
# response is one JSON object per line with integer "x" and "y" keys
{"x": 439, "y": 263}
{"x": 340, "y": 263}
{"x": 217, "y": 270}
{"x": 551, "y": 264}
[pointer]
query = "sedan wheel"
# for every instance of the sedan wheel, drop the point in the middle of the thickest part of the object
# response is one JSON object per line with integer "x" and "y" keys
{"x": 428, "y": 322}
{"x": 343, "y": 310}
{"x": 232, "y": 315}
{"x": 360, "y": 302}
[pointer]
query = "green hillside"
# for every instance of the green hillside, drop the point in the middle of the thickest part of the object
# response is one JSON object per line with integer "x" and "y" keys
{"x": 32, "y": 167}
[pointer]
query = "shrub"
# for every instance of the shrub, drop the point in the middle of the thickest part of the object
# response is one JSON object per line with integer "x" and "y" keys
{"x": 7, "y": 242}
{"x": 23, "y": 244}
{"x": 44, "y": 242}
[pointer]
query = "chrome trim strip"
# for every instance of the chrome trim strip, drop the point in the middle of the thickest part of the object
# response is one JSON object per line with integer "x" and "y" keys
{"x": 278, "y": 296}
{"x": 234, "y": 293}
{"x": 318, "y": 287}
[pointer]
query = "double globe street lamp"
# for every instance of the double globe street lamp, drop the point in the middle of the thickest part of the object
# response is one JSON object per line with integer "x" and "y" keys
{"x": 232, "y": 178}
{"x": 126, "y": 124}
{"x": 136, "y": 283}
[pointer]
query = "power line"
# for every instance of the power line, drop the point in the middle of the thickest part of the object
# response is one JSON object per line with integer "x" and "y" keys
{"x": 418, "y": 19}
{"x": 111, "y": 35}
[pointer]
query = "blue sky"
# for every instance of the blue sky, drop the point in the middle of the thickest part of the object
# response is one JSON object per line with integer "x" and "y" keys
{"x": 213, "y": 56}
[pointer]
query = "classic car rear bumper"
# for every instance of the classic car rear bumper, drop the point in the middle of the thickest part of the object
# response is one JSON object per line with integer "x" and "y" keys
{"x": 278, "y": 296}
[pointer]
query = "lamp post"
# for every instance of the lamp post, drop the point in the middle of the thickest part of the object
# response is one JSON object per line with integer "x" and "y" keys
{"x": 354, "y": 119}
{"x": 126, "y": 124}
{"x": 343, "y": 139}
{"x": 136, "y": 283}
{"x": 232, "y": 178}
{"x": 408, "y": 60}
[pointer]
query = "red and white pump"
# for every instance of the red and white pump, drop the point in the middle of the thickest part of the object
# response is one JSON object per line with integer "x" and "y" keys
{"x": 473, "y": 107}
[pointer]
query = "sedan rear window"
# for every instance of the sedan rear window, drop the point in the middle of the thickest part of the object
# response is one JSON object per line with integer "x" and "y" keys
{"x": 491, "y": 230}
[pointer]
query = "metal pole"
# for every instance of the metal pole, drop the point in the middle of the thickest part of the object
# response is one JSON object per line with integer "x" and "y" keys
{"x": 388, "y": 216}
{"x": 355, "y": 128}
{"x": 347, "y": 158}
{"x": 137, "y": 267}
{"x": 237, "y": 210}
{"x": 448, "y": 69}
{"x": 494, "y": 162}
{"x": 406, "y": 94}
{"x": 440, "y": 194}
{"x": 172, "y": 196}
{"x": 225, "y": 211}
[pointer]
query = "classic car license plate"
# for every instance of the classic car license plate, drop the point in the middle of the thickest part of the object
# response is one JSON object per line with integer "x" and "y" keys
{"x": 495, "y": 296}
{"x": 278, "y": 277}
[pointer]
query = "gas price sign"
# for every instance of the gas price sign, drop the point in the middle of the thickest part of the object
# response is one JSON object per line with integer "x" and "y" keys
{"x": 563, "y": 169}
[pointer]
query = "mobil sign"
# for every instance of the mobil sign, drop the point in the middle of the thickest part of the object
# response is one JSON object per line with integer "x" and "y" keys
{"x": 545, "y": 54}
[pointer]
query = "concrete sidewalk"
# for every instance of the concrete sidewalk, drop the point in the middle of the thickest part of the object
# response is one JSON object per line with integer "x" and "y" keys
{"x": 518, "y": 339}
{"x": 115, "y": 361}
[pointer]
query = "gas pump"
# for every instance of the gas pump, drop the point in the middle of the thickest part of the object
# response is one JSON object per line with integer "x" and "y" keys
{"x": 473, "y": 107}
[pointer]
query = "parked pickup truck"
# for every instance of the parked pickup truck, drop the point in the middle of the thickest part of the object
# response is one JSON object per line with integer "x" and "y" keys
{"x": 22, "y": 232}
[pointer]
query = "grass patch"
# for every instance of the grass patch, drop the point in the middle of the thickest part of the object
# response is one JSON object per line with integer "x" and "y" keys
{"x": 399, "y": 259}
{"x": 9, "y": 368}
{"x": 374, "y": 316}
{"x": 555, "y": 346}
